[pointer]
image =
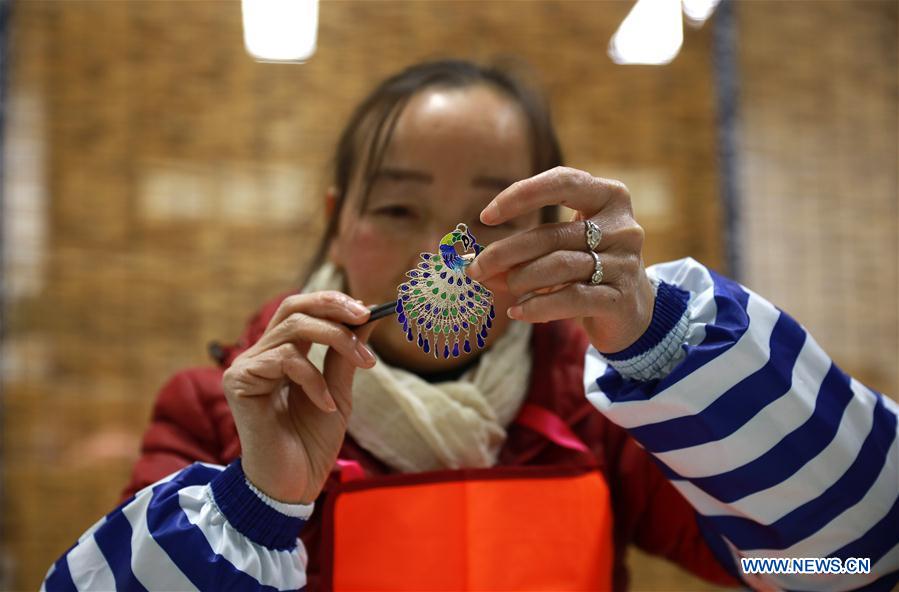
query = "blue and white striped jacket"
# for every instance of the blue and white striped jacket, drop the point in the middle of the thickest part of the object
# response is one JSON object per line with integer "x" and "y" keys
{"x": 779, "y": 451}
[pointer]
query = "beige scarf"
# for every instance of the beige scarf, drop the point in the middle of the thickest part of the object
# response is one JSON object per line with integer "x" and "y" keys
{"x": 413, "y": 425}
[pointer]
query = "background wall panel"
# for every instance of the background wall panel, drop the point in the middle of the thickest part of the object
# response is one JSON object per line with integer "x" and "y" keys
{"x": 163, "y": 185}
{"x": 818, "y": 154}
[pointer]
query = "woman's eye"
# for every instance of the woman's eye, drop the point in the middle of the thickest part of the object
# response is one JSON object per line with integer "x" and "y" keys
{"x": 395, "y": 212}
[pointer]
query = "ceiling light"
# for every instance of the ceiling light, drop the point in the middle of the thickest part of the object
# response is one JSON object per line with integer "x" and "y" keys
{"x": 280, "y": 30}
{"x": 651, "y": 33}
{"x": 698, "y": 11}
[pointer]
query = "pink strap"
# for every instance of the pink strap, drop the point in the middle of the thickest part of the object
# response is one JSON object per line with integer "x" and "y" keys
{"x": 350, "y": 470}
{"x": 548, "y": 424}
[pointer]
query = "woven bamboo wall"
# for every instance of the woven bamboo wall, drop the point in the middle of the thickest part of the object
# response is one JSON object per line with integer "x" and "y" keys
{"x": 820, "y": 233}
{"x": 165, "y": 185}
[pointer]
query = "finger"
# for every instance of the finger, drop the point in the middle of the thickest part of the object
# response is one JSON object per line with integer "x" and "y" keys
{"x": 620, "y": 233}
{"x": 575, "y": 300}
{"x": 266, "y": 366}
{"x": 328, "y": 304}
{"x": 564, "y": 267}
{"x": 303, "y": 329}
{"x": 504, "y": 254}
{"x": 248, "y": 380}
{"x": 304, "y": 374}
{"x": 256, "y": 375}
{"x": 364, "y": 332}
{"x": 565, "y": 186}
{"x": 338, "y": 372}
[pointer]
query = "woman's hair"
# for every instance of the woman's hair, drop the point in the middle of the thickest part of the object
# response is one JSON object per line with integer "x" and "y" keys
{"x": 370, "y": 128}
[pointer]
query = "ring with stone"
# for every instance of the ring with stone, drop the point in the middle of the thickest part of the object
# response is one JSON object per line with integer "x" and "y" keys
{"x": 596, "y": 278}
{"x": 592, "y": 234}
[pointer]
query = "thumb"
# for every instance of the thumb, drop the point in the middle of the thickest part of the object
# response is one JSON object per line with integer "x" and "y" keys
{"x": 365, "y": 331}
{"x": 339, "y": 372}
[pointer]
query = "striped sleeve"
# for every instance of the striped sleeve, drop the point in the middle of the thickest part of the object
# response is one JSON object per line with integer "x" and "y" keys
{"x": 203, "y": 528}
{"x": 779, "y": 451}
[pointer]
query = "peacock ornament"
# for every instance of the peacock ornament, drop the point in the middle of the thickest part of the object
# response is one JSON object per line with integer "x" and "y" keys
{"x": 440, "y": 307}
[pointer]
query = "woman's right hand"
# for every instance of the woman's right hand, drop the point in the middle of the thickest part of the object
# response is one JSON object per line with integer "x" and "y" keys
{"x": 291, "y": 418}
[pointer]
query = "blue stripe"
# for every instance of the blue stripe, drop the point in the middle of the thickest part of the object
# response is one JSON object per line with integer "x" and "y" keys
{"x": 736, "y": 406}
{"x": 792, "y": 452}
{"x": 195, "y": 474}
{"x": 879, "y": 539}
{"x": 722, "y": 553}
{"x": 61, "y": 579}
{"x": 731, "y": 323}
{"x": 670, "y": 305}
{"x": 885, "y": 530}
{"x": 882, "y": 584}
{"x": 814, "y": 516}
{"x": 114, "y": 540}
{"x": 252, "y": 517}
{"x": 187, "y": 546}
{"x": 618, "y": 390}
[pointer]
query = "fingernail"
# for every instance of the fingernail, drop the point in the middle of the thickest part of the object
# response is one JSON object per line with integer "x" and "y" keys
{"x": 473, "y": 270}
{"x": 357, "y": 308}
{"x": 365, "y": 354}
{"x": 514, "y": 312}
{"x": 489, "y": 214}
{"x": 329, "y": 402}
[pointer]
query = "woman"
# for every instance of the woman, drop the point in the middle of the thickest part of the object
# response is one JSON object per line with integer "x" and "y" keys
{"x": 725, "y": 431}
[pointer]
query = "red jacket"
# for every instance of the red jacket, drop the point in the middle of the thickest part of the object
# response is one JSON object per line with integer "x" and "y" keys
{"x": 192, "y": 422}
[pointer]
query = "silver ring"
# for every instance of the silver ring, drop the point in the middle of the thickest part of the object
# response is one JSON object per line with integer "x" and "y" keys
{"x": 596, "y": 278}
{"x": 592, "y": 234}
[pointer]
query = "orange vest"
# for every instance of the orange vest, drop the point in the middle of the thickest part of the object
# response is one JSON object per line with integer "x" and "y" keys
{"x": 502, "y": 528}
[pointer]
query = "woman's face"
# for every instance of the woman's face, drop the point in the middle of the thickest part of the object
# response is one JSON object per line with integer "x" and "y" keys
{"x": 451, "y": 152}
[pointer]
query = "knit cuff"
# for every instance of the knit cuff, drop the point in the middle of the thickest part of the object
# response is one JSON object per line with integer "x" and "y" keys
{"x": 658, "y": 349}
{"x": 261, "y": 519}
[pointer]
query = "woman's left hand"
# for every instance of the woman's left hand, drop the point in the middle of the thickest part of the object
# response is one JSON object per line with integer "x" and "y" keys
{"x": 549, "y": 267}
